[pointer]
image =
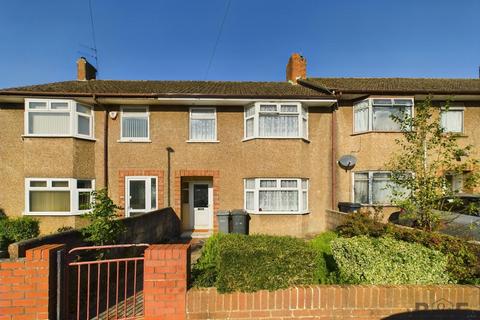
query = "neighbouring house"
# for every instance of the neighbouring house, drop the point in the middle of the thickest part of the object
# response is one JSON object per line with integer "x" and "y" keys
{"x": 203, "y": 146}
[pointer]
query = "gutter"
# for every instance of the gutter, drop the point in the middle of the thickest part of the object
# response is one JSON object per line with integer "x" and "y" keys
{"x": 164, "y": 95}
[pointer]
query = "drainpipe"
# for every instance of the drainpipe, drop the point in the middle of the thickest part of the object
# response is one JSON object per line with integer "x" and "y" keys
{"x": 105, "y": 141}
{"x": 334, "y": 154}
{"x": 169, "y": 165}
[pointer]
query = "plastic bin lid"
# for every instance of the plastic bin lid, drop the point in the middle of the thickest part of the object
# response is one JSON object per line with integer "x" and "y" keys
{"x": 238, "y": 212}
{"x": 223, "y": 213}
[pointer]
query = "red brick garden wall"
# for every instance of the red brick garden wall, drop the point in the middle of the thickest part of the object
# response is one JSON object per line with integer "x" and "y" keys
{"x": 26, "y": 289}
{"x": 327, "y": 302}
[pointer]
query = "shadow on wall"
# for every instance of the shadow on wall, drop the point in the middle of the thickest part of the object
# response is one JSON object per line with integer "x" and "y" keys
{"x": 450, "y": 314}
{"x": 158, "y": 226}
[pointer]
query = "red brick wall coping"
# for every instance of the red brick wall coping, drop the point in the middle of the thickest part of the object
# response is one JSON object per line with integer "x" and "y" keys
{"x": 327, "y": 302}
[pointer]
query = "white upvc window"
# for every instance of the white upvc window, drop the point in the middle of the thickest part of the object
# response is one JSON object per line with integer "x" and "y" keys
{"x": 58, "y": 118}
{"x": 452, "y": 119}
{"x": 276, "y": 195}
{"x": 375, "y": 114}
{"x": 135, "y": 124}
{"x": 58, "y": 196}
{"x": 203, "y": 125}
{"x": 372, "y": 187}
{"x": 276, "y": 120}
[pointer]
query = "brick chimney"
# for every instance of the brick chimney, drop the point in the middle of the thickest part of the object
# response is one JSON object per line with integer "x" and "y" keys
{"x": 85, "y": 71}
{"x": 296, "y": 68}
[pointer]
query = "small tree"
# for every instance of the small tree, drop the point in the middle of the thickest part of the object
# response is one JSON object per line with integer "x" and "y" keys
{"x": 426, "y": 154}
{"x": 104, "y": 227}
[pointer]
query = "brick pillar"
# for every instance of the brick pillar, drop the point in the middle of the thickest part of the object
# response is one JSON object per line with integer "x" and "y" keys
{"x": 166, "y": 277}
{"x": 27, "y": 285}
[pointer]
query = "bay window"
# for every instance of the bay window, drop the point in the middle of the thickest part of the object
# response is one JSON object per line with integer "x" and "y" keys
{"x": 60, "y": 196}
{"x": 276, "y": 120}
{"x": 135, "y": 124}
{"x": 377, "y": 114}
{"x": 203, "y": 126}
{"x": 58, "y": 118}
{"x": 276, "y": 196}
{"x": 452, "y": 118}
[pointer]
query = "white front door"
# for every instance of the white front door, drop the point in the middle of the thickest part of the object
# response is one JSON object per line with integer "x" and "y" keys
{"x": 140, "y": 195}
{"x": 201, "y": 204}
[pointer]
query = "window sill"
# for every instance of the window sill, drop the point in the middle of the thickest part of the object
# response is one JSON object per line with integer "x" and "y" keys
{"x": 279, "y": 213}
{"x": 276, "y": 138}
{"x": 373, "y": 132}
{"x": 56, "y": 214}
{"x": 202, "y": 141}
{"x": 62, "y": 137}
{"x": 134, "y": 141}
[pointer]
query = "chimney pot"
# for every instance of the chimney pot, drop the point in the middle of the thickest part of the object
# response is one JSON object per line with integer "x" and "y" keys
{"x": 85, "y": 71}
{"x": 296, "y": 68}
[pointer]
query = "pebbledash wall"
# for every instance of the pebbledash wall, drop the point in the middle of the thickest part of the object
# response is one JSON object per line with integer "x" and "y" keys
{"x": 27, "y": 291}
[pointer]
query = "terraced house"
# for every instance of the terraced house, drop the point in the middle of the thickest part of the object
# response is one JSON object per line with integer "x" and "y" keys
{"x": 270, "y": 148}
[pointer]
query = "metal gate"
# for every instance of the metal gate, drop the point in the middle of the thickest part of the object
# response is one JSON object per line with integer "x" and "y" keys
{"x": 105, "y": 282}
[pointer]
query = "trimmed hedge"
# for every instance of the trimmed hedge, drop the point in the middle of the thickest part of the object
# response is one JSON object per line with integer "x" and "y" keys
{"x": 367, "y": 260}
{"x": 326, "y": 271}
{"x": 463, "y": 257}
{"x": 258, "y": 262}
{"x": 17, "y": 229}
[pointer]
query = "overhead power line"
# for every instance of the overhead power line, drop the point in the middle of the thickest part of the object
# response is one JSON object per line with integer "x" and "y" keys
{"x": 94, "y": 49}
{"x": 218, "y": 39}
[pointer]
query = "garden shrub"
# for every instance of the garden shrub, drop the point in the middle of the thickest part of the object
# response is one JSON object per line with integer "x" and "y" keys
{"x": 236, "y": 262}
{"x": 384, "y": 260}
{"x": 463, "y": 257}
{"x": 326, "y": 271}
{"x": 204, "y": 272}
{"x": 17, "y": 229}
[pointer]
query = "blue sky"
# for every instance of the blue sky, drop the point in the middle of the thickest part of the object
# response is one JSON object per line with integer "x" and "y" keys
{"x": 173, "y": 40}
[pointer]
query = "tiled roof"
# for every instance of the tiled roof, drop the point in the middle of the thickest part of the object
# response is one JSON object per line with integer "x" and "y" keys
{"x": 395, "y": 85}
{"x": 172, "y": 89}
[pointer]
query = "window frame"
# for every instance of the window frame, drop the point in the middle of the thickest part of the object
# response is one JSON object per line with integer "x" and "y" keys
{"x": 73, "y": 117}
{"x": 148, "y": 194}
{"x": 454, "y": 107}
{"x": 303, "y": 208}
{"x": 370, "y": 106}
{"x": 190, "y": 112}
{"x": 122, "y": 115}
{"x": 370, "y": 187}
{"x": 302, "y": 132}
{"x": 72, "y": 189}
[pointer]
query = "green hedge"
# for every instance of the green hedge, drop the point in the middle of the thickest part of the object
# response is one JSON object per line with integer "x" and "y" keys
{"x": 17, "y": 229}
{"x": 367, "y": 260}
{"x": 250, "y": 263}
{"x": 463, "y": 257}
{"x": 326, "y": 271}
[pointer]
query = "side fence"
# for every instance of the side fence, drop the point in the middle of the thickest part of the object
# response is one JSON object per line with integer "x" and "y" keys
{"x": 28, "y": 291}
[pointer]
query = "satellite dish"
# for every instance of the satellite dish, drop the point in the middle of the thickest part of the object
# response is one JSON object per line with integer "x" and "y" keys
{"x": 347, "y": 162}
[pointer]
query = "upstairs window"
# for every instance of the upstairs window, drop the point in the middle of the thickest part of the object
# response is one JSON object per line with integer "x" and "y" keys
{"x": 452, "y": 118}
{"x": 58, "y": 196}
{"x": 276, "y": 120}
{"x": 58, "y": 118}
{"x": 276, "y": 196}
{"x": 376, "y": 114}
{"x": 135, "y": 124}
{"x": 203, "y": 126}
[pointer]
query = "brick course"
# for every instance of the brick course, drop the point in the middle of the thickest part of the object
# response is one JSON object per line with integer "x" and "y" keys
{"x": 327, "y": 302}
{"x": 26, "y": 285}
